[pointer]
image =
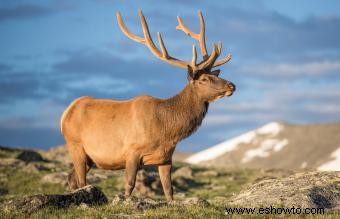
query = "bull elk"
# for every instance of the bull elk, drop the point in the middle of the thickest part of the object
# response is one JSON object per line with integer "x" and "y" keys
{"x": 143, "y": 130}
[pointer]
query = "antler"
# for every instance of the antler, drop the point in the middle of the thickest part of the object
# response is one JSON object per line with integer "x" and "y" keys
{"x": 208, "y": 61}
{"x": 201, "y": 38}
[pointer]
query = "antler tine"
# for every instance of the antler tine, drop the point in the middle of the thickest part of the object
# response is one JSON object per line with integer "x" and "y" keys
{"x": 148, "y": 40}
{"x": 194, "y": 55}
{"x": 208, "y": 63}
{"x": 219, "y": 47}
{"x": 150, "y": 44}
{"x": 161, "y": 44}
{"x": 202, "y": 36}
{"x": 126, "y": 31}
{"x": 222, "y": 61}
{"x": 181, "y": 26}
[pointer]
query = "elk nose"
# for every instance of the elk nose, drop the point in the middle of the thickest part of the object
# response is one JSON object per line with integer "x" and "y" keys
{"x": 232, "y": 86}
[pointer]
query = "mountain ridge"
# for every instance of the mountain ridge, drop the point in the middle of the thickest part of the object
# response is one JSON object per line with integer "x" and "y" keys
{"x": 278, "y": 145}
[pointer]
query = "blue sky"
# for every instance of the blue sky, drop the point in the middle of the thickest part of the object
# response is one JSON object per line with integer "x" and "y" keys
{"x": 286, "y": 62}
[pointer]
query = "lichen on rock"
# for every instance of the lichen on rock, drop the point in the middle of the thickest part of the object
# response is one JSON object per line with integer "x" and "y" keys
{"x": 305, "y": 190}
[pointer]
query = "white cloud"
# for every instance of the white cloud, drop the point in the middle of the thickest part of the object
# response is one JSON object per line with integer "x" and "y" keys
{"x": 45, "y": 114}
{"x": 297, "y": 104}
{"x": 293, "y": 69}
{"x": 217, "y": 119}
{"x": 245, "y": 106}
{"x": 103, "y": 84}
{"x": 331, "y": 108}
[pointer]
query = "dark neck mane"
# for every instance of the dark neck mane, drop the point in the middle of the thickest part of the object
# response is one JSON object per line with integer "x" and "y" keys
{"x": 181, "y": 115}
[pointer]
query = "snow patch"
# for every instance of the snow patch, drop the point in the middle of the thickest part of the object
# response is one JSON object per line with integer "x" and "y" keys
{"x": 272, "y": 128}
{"x": 221, "y": 148}
{"x": 333, "y": 165}
{"x": 303, "y": 165}
{"x": 279, "y": 145}
{"x": 265, "y": 148}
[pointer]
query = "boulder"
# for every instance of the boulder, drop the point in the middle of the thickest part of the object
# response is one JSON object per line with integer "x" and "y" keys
{"x": 181, "y": 183}
{"x": 304, "y": 190}
{"x": 30, "y": 156}
{"x": 88, "y": 195}
{"x": 182, "y": 178}
{"x": 148, "y": 183}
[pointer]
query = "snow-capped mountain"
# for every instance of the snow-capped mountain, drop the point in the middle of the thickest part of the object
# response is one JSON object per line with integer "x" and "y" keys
{"x": 278, "y": 145}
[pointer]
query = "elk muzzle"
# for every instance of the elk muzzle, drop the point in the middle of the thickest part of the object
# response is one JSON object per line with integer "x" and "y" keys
{"x": 230, "y": 88}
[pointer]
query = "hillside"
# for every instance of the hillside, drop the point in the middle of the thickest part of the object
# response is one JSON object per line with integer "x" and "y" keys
{"x": 278, "y": 145}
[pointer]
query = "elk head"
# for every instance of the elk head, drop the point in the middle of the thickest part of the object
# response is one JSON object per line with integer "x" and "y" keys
{"x": 205, "y": 81}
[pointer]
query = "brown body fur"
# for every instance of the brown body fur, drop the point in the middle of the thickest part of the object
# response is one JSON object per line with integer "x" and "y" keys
{"x": 109, "y": 130}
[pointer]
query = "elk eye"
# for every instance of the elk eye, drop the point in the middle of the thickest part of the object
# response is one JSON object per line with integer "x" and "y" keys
{"x": 204, "y": 79}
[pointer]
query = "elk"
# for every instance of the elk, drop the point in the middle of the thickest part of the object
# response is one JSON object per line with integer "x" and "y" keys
{"x": 144, "y": 130}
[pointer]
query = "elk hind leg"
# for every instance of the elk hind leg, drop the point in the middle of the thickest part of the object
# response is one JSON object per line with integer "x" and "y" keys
{"x": 72, "y": 180}
{"x": 72, "y": 177}
{"x": 77, "y": 177}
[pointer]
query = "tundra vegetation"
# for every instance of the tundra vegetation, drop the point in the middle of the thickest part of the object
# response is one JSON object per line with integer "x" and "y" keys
{"x": 218, "y": 186}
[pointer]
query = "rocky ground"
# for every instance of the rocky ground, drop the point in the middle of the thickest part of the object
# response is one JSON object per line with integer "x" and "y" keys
{"x": 33, "y": 184}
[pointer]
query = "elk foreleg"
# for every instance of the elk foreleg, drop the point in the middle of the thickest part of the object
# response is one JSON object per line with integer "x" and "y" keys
{"x": 131, "y": 168}
{"x": 165, "y": 176}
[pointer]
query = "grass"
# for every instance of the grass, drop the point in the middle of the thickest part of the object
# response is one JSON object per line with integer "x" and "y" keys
{"x": 216, "y": 186}
{"x": 8, "y": 152}
{"x": 227, "y": 183}
{"x": 122, "y": 211}
{"x": 20, "y": 183}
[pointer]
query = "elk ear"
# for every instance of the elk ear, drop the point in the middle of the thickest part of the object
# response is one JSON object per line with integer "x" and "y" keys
{"x": 191, "y": 74}
{"x": 216, "y": 72}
